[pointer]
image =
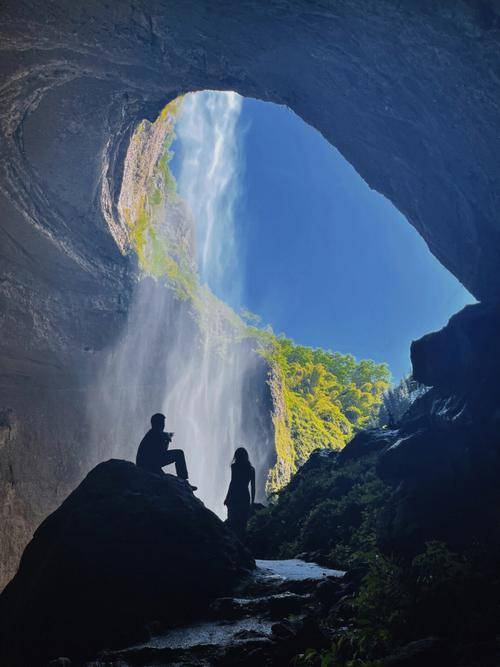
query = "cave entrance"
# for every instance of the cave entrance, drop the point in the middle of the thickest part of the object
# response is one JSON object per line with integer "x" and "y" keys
{"x": 377, "y": 79}
{"x": 256, "y": 225}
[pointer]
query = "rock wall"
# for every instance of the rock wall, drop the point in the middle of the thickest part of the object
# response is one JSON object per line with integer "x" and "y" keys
{"x": 444, "y": 460}
{"x": 408, "y": 93}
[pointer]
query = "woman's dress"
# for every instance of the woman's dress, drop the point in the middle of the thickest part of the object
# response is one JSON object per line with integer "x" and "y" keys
{"x": 238, "y": 498}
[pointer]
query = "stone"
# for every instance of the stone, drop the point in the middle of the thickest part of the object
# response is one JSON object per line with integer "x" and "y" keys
{"x": 443, "y": 462}
{"x": 365, "y": 443}
{"x": 326, "y": 591}
{"x": 127, "y": 547}
{"x": 463, "y": 353}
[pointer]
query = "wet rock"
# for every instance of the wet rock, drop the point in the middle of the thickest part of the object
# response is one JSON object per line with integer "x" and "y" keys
{"x": 326, "y": 591}
{"x": 286, "y": 604}
{"x": 284, "y": 629}
{"x": 263, "y": 624}
{"x": 276, "y": 606}
{"x": 295, "y": 636}
{"x": 125, "y": 548}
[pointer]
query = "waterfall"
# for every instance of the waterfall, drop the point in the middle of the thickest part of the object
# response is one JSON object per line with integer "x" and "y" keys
{"x": 209, "y": 182}
{"x": 180, "y": 356}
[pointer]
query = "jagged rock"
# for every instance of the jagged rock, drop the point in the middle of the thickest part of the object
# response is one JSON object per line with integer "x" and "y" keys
{"x": 126, "y": 547}
{"x": 444, "y": 467}
{"x": 366, "y": 442}
{"x": 444, "y": 461}
{"x": 429, "y": 453}
{"x": 463, "y": 354}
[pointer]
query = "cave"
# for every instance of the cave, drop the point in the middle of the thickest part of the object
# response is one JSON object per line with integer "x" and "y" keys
{"x": 408, "y": 93}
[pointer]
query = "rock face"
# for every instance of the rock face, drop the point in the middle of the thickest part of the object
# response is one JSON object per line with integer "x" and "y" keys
{"x": 444, "y": 460}
{"x": 408, "y": 92}
{"x": 126, "y": 547}
{"x": 463, "y": 356}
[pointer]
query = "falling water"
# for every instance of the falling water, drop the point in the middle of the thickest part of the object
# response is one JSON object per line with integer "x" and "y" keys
{"x": 209, "y": 181}
{"x": 167, "y": 360}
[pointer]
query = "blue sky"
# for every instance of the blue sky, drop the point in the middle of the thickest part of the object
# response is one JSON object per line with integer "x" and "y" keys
{"x": 321, "y": 257}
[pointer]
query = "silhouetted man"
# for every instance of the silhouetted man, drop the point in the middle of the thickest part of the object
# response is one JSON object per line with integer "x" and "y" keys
{"x": 153, "y": 452}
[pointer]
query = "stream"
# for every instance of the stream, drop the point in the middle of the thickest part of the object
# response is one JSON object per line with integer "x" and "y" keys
{"x": 266, "y": 616}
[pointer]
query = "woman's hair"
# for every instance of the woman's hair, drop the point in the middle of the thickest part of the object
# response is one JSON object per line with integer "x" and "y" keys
{"x": 241, "y": 457}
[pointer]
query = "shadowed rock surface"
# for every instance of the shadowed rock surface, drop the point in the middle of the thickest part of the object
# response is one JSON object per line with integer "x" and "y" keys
{"x": 408, "y": 92}
{"x": 124, "y": 549}
{"x": 444, "y": 460}
{"x": 463, "y": 356}
{"x": 271, "y": 615}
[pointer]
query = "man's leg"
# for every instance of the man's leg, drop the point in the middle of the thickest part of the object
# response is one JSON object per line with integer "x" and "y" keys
{"x": 177, "y": 456}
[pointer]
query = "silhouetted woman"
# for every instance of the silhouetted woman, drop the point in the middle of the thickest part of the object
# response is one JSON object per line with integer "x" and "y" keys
{"x": 238, "y": 500}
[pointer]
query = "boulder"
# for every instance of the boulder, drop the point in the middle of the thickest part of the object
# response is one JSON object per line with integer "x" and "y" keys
{"x": 126, "y": 548}
{"x": 463, "y": 353}
{"x": 365, "y": 443}
{"x": 444, "y": 462}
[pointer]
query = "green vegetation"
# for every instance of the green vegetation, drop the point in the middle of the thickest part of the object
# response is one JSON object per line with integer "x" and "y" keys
{"x": 439, "y": 608}
{"x": 334, "y": 510}
{"x": 327, "y": 397}
{"x": 149, "y": 205}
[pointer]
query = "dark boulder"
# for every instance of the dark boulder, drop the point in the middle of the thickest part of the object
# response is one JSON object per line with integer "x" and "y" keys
{"x": 125, "y": 548}
{"x": 444, "y": 468}
{"x": 427, "y": 454}
{"x": 463, "y": 353}
{"x": 444, "y": 464}
{"x": 365, "y": 443}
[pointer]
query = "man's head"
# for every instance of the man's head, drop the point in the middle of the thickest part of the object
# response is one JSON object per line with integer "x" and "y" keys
{"x": 158, "y": 422}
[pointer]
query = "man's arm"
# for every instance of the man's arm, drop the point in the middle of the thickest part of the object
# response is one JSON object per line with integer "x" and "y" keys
{"x": 252, "y": 485}
{"x": 162, "y": 441}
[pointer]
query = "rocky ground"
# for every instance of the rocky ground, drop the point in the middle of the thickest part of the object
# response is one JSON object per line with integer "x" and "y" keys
{"x": 270, "y": 617}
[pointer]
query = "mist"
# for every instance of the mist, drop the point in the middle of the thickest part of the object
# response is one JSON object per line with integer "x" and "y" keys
{"x": 208, "y": 170}
{"x": 181, "y": 357}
